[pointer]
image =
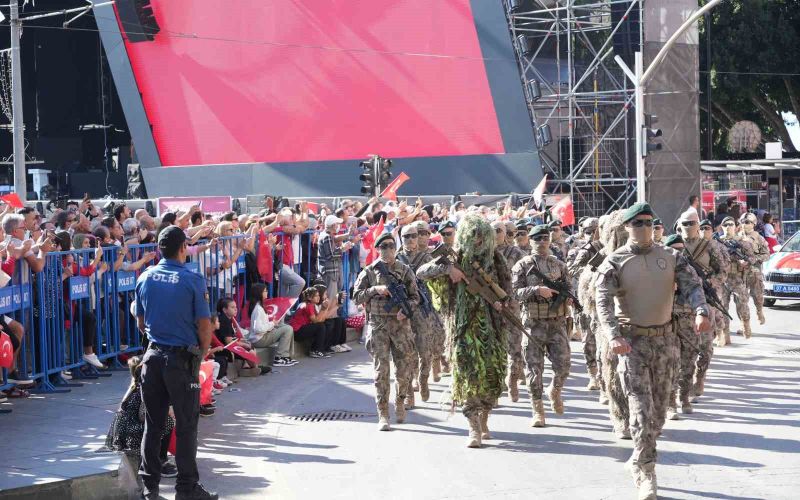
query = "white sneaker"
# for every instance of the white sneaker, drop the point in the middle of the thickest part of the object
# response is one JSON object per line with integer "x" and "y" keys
{"x": 93, "y": 360}
{"x": 123, "y": 347}
{"x": 216, "y": 392}
{"x": 345, "y": 347}
{"x": 66, "y": 375}
{"x": 226, "y": 380}
{"x": 337, "y": 349}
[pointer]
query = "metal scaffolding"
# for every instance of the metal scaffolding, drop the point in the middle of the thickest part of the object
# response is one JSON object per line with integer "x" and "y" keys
{"x": 578, "y": 96}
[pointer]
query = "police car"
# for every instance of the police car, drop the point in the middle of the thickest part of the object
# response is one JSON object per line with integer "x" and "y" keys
{"x": 782, "y": 273}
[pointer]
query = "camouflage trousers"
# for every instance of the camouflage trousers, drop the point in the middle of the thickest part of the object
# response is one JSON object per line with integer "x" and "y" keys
{"x": 475, "y": 406}
{"x": 549, "y": 337}
{"x": 390, "y": 340}
{"x": 584, "y": 324}
{"x": 647, "y": 373}
{"x": 611, "y": 385}
{"x": 755, "y": 287}
{"x": 516, "y": 363}
{"x": 686, "y": 352}
{"x": 424, "y": 328}
{"x": 721, "y": 322}
{"x": 739, "y": 292}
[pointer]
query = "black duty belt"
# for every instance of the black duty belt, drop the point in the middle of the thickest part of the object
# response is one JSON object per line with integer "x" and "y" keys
{"x": 167, "y": 348}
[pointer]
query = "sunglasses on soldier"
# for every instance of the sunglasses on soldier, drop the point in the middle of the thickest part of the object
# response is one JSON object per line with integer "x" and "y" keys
{"x": 409, "y": 236}
{"x": 728, "y": 224}
{"x": 447, "y": 234}
{"x": 642, "y": 222}
{"x": 386, "y": 246}
{"x": 541, "y": 237}
{"x": 688, "y": 223}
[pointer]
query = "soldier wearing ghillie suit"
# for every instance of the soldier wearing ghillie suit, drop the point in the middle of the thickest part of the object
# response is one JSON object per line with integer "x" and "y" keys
{"x": 586, "y": 255}
{"x": 634, "y": 306}
{"x": 545, "y": 321}
{"x": 390, "y": 337}
{"x": 612, "y": 236}
{"x": 742, "y": 257}
{"x": 423, "y": 323}
{"x": 512, "y": 254}
{"x": 440, "y": 296}
{"x": 478, "y": 352}
{"x": 754, "y": 280}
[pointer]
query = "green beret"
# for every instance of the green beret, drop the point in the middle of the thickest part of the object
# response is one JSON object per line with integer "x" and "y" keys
{"x": 705, "y": 222}
{"x": 672, "y": 239}
{"x": 555, "y": 223}
{"x": 540, "y": 229}
{"x": 657, "y": 222}
{"x": 637, "y": 209}
{"x": 446, "y": 224}
{"x": 384, "y": 237}
{"x": 522, "y": 224}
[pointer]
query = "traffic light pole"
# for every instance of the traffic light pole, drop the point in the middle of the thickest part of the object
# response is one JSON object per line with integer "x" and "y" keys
{"x": 17, "y": 124}
{"x": 376, "y": 175}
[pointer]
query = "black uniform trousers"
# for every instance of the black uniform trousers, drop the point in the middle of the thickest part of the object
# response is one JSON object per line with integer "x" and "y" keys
{"x": 168, "y": 378}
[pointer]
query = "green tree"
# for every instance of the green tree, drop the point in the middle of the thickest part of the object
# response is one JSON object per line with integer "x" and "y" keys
{"x": 754, "y": 68}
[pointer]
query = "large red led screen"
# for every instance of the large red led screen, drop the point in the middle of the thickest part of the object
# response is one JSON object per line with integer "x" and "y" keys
{"x": 244, "y": 81}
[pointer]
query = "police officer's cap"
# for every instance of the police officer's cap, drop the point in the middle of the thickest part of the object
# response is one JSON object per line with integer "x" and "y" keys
{"x": 540, "y": 229}
{"x": 384, "y": 237}
{"x": 657, "y": 222}
{"x": 446, "y": 224}
{"x": 635, "y": 210}
{"x": 171, "y": 239}
{"x": 673, "y": 239}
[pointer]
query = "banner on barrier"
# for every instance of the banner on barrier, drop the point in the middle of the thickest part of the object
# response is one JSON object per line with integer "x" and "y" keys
{"x": 21, "y": 296}
{"x": 78, "y": 287}
{"x": 217, "y": 205}
{"x": 126, "y": 281}
{"x": 7, "y": 300}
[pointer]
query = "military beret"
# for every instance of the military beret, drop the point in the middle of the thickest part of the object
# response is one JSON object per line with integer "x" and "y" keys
{"x": 635, "y": 210}
{"x": 522, "y": 224}
{"x": 384, "y": 237}
{"x": 540, "y": 229}
{"x": 409, "y": 228}
{"x": 673, "y": 239}
{"x": 657, "y": 222}
{"x": 446, "y": 224}
{"x": 554, "y": 223}
{"x": 705, "y": 222}
{"x": 420, "y": 225}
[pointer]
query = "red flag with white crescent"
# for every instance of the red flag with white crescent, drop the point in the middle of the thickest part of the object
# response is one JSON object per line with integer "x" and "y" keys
{"x": 277, "y": 308}
{"x": 563, "y": 211}
{"x": 538, "y": 193}
{"x": 369, "y": 240}
{"x": 13, "y": 200}
{"x": 206, "y": 377}
{"x": 391, "y": 190}
{"x": 243, "y": 353}
{"x": 6, "y": 351}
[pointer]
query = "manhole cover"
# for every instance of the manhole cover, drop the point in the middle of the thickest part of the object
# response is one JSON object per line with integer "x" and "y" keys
{"x": 326, "y": 416}
{"x": 791, "y": 352}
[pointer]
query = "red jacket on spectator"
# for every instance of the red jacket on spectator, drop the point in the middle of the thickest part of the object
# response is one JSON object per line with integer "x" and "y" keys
{"x": 302, "y": 316}
{"x": 264, "y": 259}
{"x": 8, "y": 265}
{"x": 288, "y": 251}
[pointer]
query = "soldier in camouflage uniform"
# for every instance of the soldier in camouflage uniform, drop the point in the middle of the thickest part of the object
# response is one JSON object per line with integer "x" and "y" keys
{"x": 390, "y": 337}
{"x": 558, "y": 247}
{"x": 658, "y": 232}
{"x": 736, "y": 279}
{"x": 439, "y": 286}
{"x": 755, "y": 278}
{"x": 512, "y": 254}
{"x": 437, "y": 339}
{"x": 521, "y": 239}
{"x": 578, "y": 259}
{"x": 634, "y": 306}
{"x": 547, "y": 325}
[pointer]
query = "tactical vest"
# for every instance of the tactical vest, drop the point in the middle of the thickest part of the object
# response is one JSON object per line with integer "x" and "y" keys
{"x": 700, "y": 255}
{"x": 647, "y": 285}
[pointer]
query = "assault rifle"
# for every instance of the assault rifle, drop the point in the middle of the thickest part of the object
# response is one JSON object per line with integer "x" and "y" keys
{"x": 561, "y": 286}
{"x": 425, "y": 302}
{"x": 711, "y": 295}
{"x": 398, "y": 296}
{"x": 479, "y": 283}
{"x": 734, "y": 248}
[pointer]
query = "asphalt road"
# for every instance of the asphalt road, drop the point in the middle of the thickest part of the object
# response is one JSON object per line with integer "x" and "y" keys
{"x": 742, "y": 442}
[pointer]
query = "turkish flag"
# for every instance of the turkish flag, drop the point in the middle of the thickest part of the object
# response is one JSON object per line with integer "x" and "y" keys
{"x": 538, "y": 193}
{"x": 277, "y": 308}
{"x": 563, "y": 211}
{"x": 242, "y": 352}
{"x": 314, "y": 207}
{"x": 391, "y": 190}
{"x": 6, "y": 351}
{"x": 369, "y": 241}
{"x": 13, "y": 200}
{"x": 206, "y": 377}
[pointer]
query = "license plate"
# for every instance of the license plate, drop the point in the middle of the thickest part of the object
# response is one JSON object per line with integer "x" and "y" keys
{"x": 787, "y": 288}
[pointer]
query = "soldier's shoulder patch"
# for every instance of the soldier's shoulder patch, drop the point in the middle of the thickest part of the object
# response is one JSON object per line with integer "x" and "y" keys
{"x": 661, "y": 263}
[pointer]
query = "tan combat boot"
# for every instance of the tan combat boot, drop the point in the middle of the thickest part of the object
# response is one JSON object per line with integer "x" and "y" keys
{"x": 414, "y": 385}
{"x": 603, "y": 398}
{"x": 445, "y": 365}
{"x": 383, "y": 419}
{"x": 424, "y": 391}
{"x": 720, "y": 340}
{"x": 538, "y": 413}
{"x": 474, "y": 440}
{"x": 672, "y": 412}
{"x": 485, "y": 425}
{"x": 761, "y": 318}
{"x": 556, "y": 403}
{"x": 699, "y": 388}
{"x": 513, "y": 388}
{"x": 400, "y": 410}
{"x": 436, "y": 368}
{"x": 647, "y": 483}
{"x": 593, "y": 385}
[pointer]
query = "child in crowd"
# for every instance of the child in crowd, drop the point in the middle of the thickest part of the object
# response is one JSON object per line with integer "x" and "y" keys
{"x": 217, "y": 353}
{"x": 127, "y": 427}
{"x": 264, "y": 333}
{"x": 229, "y": 330}
{"x": 308, "y": 324}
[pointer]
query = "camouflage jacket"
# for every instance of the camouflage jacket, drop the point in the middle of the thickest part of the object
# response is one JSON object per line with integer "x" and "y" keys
{"x": 526, "y": 284}
{"x": 365, "y": 293}
{"x": 512, "y": 254}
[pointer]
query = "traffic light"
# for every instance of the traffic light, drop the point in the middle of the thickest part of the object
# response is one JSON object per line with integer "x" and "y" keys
{"x": 368, "y": 177}
{"x": 384, "y": 172}
{"x": 651, "y": 136}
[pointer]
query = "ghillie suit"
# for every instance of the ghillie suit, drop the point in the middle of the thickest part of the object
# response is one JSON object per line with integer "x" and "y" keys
{"x": 612, "y": 236}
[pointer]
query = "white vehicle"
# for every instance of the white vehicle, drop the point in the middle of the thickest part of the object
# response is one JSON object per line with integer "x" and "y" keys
{"x": 782, "y": 273}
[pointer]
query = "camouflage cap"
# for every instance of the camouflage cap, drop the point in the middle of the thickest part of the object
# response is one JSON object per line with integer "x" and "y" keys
{"x": 590, "y": 222}
{"x": 408, "y": 229}
{"x": 673, "y": 239}
{"x": 635, "y": 210}
{"x": 540, "y": 229}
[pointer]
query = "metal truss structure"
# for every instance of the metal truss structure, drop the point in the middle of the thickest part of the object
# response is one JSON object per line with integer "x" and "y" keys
{"x": 579, "y": 100}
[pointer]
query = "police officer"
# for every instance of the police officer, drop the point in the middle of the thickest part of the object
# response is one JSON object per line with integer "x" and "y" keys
{"x": 172, "y": 310}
